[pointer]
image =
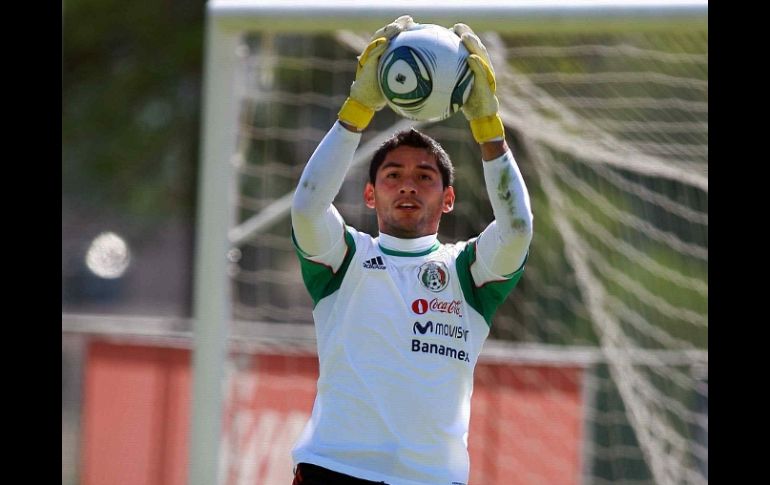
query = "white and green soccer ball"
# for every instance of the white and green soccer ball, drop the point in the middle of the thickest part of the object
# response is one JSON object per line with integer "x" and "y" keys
{"x": 424, "y": 73}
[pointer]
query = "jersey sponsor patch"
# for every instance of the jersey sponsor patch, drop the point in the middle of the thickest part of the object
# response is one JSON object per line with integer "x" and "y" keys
{"x": 441, "y": 329}
{"x": 375, "y": 263}
{"x": 420, "y": 306}
{"x": 434, "y": 276}
{"x": 439, "y": 349}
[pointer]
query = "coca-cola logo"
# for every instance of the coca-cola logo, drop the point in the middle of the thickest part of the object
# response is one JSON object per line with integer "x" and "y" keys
{"x": 420, "y": 306}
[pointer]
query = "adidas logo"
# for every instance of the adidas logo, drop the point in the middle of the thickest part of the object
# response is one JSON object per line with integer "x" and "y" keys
{"x": 375, "y": 263}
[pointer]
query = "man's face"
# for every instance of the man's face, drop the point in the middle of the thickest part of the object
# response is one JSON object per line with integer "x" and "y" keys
{"x": 408, "y": 194}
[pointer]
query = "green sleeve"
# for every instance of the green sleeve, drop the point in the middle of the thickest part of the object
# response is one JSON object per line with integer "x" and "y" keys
{"x": 319, "y": 278}
{"x": 487, "y": 298}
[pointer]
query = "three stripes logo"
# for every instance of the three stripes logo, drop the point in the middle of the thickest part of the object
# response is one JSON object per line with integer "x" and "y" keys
{"x": 375, "y": 263}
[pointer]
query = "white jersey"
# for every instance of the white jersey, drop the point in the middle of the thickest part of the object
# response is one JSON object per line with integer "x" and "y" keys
{"x": 399, "y": 334}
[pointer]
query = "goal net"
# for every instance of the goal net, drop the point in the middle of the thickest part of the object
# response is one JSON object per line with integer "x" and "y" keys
{"x": 609, "y": 126}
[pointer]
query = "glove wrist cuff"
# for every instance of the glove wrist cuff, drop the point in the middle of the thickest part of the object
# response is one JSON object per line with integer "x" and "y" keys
{"x": 356, "y": 114}
{"x": 487, "y": 128}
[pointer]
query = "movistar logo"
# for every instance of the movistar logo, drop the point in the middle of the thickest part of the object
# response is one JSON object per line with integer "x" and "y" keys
{"x": 422, "y": 328}
{"x": 441, "y": 329}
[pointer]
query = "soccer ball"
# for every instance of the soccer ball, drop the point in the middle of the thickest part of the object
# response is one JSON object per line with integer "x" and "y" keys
{"x": 424, "y": 73}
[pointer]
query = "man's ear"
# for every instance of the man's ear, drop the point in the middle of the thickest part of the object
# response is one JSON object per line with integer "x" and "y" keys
{"x": 369, "y": 195}
{"x": 449, "y": 200}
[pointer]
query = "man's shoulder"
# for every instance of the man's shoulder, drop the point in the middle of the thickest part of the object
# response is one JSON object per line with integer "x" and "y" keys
{"x": 455, "y": 249}
{"x": 362, "y": 239}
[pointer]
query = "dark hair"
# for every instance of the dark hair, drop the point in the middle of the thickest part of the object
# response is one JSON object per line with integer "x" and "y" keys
{"x": 414, "y": 138}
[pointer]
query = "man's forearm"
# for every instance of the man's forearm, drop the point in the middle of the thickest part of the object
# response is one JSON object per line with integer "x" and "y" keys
{"x": 504, "y": 244}
{"x": 317, "y": 225}
{"x": 325, "y": 172}
{"x": 493, "y": 149}
{"x": 348, "y": 126}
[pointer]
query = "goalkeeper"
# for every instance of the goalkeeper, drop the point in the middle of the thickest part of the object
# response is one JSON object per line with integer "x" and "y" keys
{"x": 401, "y": 318}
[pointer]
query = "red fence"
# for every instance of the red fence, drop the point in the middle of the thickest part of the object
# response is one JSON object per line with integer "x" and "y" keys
{"x": 526, "y": 420}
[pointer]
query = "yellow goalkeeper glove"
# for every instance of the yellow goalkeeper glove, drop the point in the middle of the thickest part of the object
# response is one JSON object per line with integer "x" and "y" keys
{"x": 365, "y": 94}
{"x": 481, "y": 108}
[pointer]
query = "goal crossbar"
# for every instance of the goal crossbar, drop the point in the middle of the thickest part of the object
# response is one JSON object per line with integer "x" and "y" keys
{"x": 499, "y": 15}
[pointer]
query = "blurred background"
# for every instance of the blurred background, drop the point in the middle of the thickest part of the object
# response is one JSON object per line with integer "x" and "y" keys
{"x": 131, "y": 83}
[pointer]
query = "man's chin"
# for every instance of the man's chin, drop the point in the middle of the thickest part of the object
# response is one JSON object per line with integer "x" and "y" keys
{"x": 401, "y": 231}
{"x": 407, "y": 231}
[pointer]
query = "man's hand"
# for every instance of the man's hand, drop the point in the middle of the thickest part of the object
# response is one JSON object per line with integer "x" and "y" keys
{"x": 481, "y": 108}
{"x": 365, "y": 95}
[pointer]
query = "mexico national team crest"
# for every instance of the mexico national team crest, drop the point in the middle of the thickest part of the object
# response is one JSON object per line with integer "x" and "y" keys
{"x": 434, "y": 276}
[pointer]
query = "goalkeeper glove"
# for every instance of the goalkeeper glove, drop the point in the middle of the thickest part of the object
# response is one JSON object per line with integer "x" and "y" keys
{"x": 365, "y": 94}
{"x": 481, "y": 108}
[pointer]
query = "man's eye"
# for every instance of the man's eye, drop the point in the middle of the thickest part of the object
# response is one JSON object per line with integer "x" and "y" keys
{"x": 392, "y": 175}
{"x": 426, "y": 177}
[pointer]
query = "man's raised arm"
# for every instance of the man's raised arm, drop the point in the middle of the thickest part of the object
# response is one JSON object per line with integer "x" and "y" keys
{"x": 317, "y": 225}
{"x": 503, "y": 246}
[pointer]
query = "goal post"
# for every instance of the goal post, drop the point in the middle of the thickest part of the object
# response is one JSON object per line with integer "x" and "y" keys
{"x": 606, "y": 109}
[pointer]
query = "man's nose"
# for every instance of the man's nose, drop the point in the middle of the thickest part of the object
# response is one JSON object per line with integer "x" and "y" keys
{"x": 408, "y": 186}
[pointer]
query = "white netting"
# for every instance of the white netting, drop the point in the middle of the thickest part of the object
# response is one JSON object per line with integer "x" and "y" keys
{"x": 611, "y": 134}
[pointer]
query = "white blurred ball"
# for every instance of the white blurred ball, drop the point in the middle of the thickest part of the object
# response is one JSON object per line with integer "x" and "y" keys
{"x": 424, "y": 73}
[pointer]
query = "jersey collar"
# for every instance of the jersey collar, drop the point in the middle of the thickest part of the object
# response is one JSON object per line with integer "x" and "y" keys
{"x": 394, "y": 246}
